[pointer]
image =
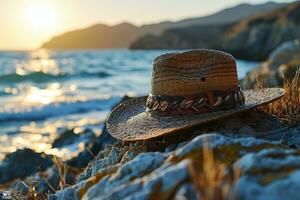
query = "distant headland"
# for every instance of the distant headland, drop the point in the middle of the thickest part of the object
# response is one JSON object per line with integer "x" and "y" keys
{"x": 127, "y": 35}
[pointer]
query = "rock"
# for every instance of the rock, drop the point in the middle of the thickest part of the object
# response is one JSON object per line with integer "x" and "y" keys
{"x": 284, "y": 60}
{"x": 44, "y": 182}
{"x": 133, "y": 171}
{"x": 66, "y": 194}
{"x": 151, "y": 173}
{"x": 66, "y": 138}
{"x": 160, "y": 182}
{"x": 256, "y": 37}
{"x": 138, "y": 167}
{"x": 219, "y": 143}
{"x": 32, "y": 162}
{"x": 109, "y": 158}
{"x": 70, "y": 138}
{"x": 187, "y": 192}
{"x": 137, "y": 185}
{"x": 286, "y": 52}
{"x": 251, "y": 123}
{"x": 275, "y": 135}
{"x": 292, "y": 138}
{"x": 267, "y": 159}
{"x": 284, "y": 189}
{"x": 94, "y": 145}
{"x": 269, "y": 174}
{"x": 11, "y": 195}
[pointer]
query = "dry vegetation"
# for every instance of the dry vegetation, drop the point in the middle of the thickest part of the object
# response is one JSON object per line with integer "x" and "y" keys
{"x": 287, "y": 109}
{"x": 32, "y": 194}
{"x": 215, "y": 181}
{"x": 62, "y": 171}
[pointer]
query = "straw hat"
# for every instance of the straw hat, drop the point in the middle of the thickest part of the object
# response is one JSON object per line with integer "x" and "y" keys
{"x": 187, "y": 89}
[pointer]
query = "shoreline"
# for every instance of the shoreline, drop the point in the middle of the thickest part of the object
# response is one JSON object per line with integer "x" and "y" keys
{"x": 257, "y": 145}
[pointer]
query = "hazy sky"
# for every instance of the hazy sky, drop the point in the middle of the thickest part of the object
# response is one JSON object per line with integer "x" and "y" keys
{"x": 25, "y": 24}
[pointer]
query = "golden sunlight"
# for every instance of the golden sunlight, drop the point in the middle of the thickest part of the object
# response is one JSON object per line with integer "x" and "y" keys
{"x": 44, "y": 96}
{"x": 41, "y": 16}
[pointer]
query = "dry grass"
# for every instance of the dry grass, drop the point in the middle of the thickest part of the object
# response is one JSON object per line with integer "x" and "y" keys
{"x": 214, "y": 182}
{"x": 32, "y": 193}
{"x": 287, "y": 109}
{"x": 62, "y": 171}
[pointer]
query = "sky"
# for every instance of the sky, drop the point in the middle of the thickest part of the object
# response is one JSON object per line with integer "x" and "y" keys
{"x": 26, "y": 24}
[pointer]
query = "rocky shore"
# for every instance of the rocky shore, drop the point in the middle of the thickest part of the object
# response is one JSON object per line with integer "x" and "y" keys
{"x": 265, "y": 152}
{"x": 252, "y": 155}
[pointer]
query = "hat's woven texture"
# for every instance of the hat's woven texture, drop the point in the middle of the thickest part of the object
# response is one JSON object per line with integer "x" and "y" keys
{"x": 183, "y": 74}
{"x": 129, "y": 121}
{"x": 193, "y": 72}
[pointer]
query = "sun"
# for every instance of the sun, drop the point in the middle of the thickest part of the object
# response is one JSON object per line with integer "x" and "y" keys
{"x": 40, "y": 16}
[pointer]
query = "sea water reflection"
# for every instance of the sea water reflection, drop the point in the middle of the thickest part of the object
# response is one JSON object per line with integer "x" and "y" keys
{"x": 44, "y": 93}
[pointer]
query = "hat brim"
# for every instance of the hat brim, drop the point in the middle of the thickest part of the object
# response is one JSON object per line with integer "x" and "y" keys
{"x": 129, "y": 121}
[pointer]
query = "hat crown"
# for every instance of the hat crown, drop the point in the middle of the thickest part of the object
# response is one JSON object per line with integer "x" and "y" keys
{"x": 193, "y": 72}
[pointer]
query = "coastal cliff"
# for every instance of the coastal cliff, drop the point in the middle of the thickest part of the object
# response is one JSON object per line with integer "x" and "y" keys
{"x": 122, "y": 35}
{"x": 251, "y": 39}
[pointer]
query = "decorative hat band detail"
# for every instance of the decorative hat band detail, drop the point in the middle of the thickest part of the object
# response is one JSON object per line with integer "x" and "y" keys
{"x": 195, "y": 104}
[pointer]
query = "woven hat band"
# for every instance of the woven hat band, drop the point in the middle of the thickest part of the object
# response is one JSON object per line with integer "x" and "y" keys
{"x": 195, "y": 104}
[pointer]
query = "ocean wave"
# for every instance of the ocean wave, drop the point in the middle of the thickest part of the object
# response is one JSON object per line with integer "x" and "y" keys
{"x": 100, "y": 74}
{"x": 57, "y": 109}
{"x": 45, "y": 77}
{"x": 34, "y": 76}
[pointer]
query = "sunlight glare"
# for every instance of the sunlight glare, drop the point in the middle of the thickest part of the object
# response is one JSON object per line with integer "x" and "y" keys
{"x": 41, "y": 16}
{"x": 44, "y": 96}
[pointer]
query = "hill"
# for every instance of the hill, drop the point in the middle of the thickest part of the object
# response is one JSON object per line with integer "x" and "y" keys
{"x": 252, "y": 38}
{"x": 122, "y": 35}
{"x": 256, "y": 37}
{"x": 97, "y": 36}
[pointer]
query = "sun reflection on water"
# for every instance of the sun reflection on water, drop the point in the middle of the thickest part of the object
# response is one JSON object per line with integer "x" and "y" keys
{"x": 39, "y": 61}
{"x": 25, "y": 96}
{"x": 44, "y": 96}
{"x": 45, "y": 93}
{"x": 41, "y": 136}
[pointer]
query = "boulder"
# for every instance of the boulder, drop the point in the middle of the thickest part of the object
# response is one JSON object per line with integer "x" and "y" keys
{"x": 67, "y": 137}
{"x": 94, "y": 145}
{"x": 32, "y": 162}
{"x": 44, "y": 182}
{"x": 162, "y": 174}
{"x": 269, "y": 174}
{"x": 285, "y": 60}
{"x": 187, "y": 192}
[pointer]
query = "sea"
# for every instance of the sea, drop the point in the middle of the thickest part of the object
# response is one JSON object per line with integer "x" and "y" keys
{"x": 44, "y": 93}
